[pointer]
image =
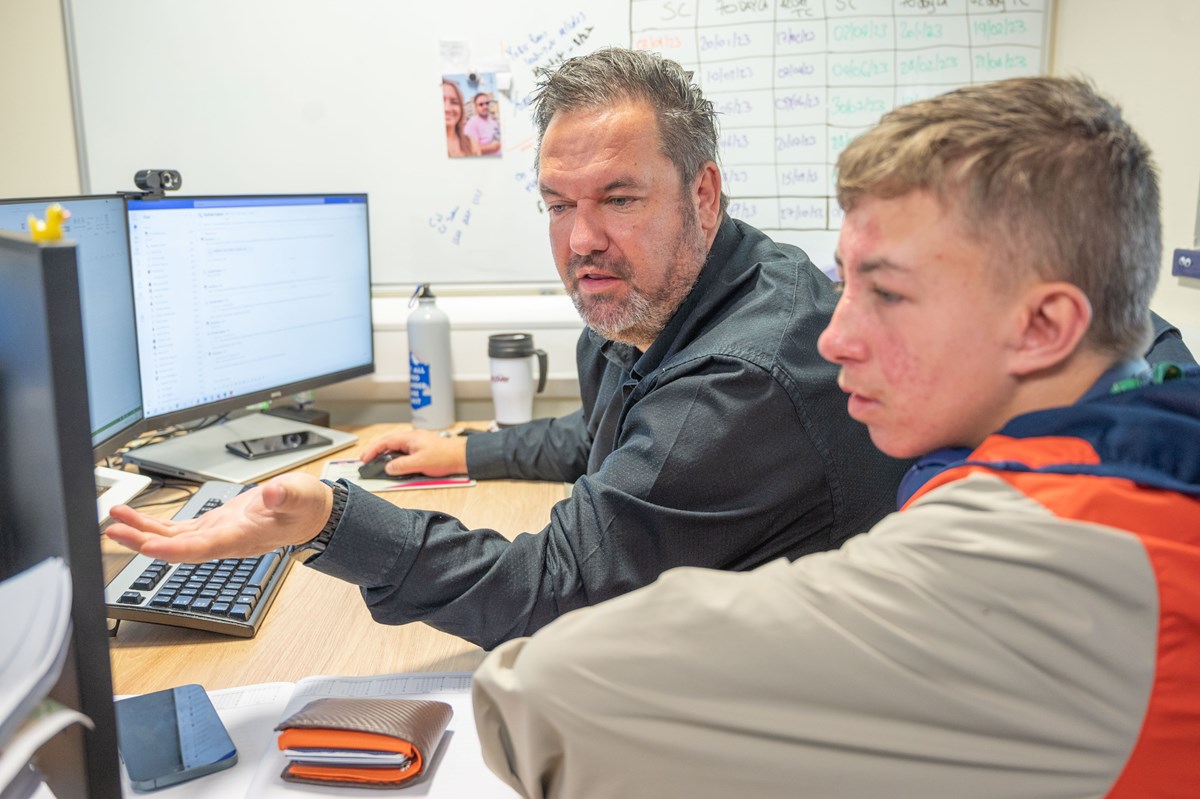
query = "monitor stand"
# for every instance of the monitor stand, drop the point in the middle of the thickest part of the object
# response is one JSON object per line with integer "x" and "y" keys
{"x": 300, "y": 413}
{"x": 202, "y": 455}
{"x": 115, "y": 487}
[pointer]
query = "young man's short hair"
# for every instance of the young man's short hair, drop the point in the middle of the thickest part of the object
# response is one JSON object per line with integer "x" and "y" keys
{"x": 1043, "y": 170}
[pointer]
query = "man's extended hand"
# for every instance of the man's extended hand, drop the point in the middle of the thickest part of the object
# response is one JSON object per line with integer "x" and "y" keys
{"x": 289, "y": 509}
{"x": 426, "y": 452}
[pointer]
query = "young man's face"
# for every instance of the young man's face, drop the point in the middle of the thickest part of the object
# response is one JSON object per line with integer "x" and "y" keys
{"x": 921, "y": 331}
{"x": 483, "y": 107}
{"x": 628, "y": 239}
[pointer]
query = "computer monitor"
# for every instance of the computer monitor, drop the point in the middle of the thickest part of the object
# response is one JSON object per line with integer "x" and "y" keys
{"x": 244, "y": 299}
{"x": 46, "y": 505}
{"x": 97, "y": 226}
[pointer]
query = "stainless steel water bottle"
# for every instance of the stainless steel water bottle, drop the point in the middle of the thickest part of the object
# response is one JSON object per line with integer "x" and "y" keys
{"x": 430, "y": 371}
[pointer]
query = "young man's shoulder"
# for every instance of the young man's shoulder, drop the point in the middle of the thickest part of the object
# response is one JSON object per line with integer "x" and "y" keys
{"x": 1097, "y": 460}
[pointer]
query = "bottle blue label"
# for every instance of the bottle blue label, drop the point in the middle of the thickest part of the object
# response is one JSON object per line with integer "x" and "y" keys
{"x": 419, "y": 394}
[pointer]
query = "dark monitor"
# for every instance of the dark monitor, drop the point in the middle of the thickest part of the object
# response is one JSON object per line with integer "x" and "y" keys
{"x": 97, "y": 226}
{"x": 46, "y": 494}
{"x": 245, "y": 299}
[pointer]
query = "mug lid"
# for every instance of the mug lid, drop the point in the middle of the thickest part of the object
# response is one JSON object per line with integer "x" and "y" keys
{"x": 510, "y": 345}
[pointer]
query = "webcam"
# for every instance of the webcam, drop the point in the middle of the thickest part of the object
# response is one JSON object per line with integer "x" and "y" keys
{"x": 156, "y": 181}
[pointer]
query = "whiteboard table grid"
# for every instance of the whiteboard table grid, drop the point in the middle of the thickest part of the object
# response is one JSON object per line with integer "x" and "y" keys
{"x": 794, "y": 81}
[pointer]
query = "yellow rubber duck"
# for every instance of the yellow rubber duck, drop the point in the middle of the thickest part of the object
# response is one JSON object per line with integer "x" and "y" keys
{"x": 51, "y": 228}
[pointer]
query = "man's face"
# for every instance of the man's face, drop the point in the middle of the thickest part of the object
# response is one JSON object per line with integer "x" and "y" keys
{"x": 483, "y": 107}
{"x": 626, "y": 236}
{"x": 922, "y": 330}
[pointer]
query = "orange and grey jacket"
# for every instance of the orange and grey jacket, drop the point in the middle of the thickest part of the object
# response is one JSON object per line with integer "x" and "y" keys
{"x": 1128, "y": 463}
{"x": 1027, "y": 626}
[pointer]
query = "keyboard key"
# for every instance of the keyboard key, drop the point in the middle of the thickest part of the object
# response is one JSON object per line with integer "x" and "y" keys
{"x": 130, "y": 598}
{"x": 264, "y": 570}
{"x": 209, "y": 505}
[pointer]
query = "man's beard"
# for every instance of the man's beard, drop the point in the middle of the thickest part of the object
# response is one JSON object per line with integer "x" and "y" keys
{"x": 639, "y": 317}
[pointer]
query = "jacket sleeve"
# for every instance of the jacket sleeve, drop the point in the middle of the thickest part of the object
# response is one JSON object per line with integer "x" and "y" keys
{"x": 670, "y": 494}
{"x": 544, "y": 449}
{"x": 956, "y": 650}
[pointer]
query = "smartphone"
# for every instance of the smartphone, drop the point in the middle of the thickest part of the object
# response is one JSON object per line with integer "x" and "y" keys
{"x": 273, "y": 445}
{"x": 171, "y": 736}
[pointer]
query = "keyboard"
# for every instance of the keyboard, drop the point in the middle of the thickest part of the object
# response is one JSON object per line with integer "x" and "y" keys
{"x": 229, "y": 596}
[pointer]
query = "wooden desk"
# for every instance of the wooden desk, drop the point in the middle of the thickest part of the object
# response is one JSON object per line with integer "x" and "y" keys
{"x": 318, "y": 624}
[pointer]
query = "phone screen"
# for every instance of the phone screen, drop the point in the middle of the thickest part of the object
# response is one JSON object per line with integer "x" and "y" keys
{"x": 171, "y": 736}
{"x": 271, "y": 445}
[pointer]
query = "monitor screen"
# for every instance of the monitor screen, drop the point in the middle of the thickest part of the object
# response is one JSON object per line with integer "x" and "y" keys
{"x": 245, "y": 299}
{"x": 46, "y": 496}
{"x": 97, "y": 226}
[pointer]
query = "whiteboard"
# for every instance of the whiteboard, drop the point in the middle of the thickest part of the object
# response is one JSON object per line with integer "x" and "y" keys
{"x": 794, "y": 81}
{"x": 282, "y": 96}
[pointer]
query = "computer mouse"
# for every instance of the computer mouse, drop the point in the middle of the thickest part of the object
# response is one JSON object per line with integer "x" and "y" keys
{"x": 374, "y": 469}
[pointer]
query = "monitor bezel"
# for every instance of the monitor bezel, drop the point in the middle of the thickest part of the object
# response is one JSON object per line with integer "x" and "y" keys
{"x": 246, "y": 401}
{"x": 109, "y": 446}
{"x": 49, "y": 499}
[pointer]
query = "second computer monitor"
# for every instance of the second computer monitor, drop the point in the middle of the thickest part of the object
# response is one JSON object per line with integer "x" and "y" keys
{"x": 244, "y": 299}
{"x": 97, "y": 226}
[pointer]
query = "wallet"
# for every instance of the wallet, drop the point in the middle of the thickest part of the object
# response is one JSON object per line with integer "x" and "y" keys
{"x": 335, "y": 740}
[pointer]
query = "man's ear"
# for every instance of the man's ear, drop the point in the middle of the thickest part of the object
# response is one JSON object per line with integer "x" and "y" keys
{"x": 1051, "y": 322}
{"x": 706, "y": 193}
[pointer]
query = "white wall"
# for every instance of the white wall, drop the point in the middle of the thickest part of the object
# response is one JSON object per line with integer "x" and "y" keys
{"x": 1138, "y": 55}
{"x": 383, "y": 396}
{"x": 36, "y": 123}
{"x": 1142, "y": 56}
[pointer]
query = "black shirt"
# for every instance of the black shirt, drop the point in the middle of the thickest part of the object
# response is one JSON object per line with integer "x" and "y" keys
{"x": 726, "y": 444}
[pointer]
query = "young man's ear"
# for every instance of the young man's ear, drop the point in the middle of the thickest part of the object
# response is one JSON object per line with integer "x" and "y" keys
{"x": 1050, "y": 326}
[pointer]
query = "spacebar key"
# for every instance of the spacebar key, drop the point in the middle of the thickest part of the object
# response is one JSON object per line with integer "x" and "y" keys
{"x": 266, "y": 566}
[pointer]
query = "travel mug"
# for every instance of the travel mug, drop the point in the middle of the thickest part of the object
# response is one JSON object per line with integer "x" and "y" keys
{"x": 512, "y": 356}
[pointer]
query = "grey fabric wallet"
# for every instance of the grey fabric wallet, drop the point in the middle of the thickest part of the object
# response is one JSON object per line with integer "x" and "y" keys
{"x": 399, "y": 727}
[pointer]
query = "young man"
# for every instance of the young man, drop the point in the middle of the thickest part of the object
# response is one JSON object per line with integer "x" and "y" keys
{"x": 1029, "y": 624}
{"x": 711, "y": 434}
